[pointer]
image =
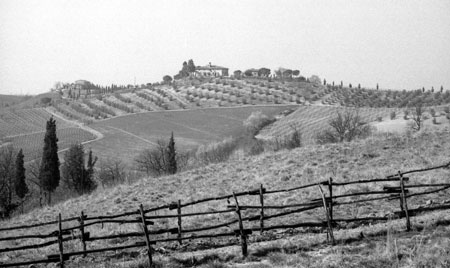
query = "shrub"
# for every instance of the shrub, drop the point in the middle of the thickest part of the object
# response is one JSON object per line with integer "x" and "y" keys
{"x": 344, "y": 127}
{"x": 447, "y": 110}
{"x": 433, "y": 112}
{"x": 418, "y": 117}
{"x": 216, "y": 152}
{"x": 256, "y": 147}
{"x": 156, "y": 161}
{"x": 393, "y": 115}
{"x": 294, "y": 140}
{"x": 405, "y": 114}
{"x": 379, "y": 118}
{"x": 435, "y": 121}
{"x": 256, "y": 121}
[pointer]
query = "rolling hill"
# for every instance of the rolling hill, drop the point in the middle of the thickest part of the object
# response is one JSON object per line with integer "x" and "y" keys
{"x": 376, "y": 157}
{"x": 194, "y": 93}
{"x": 125, "y": 136}
{"x": 11, "y": 100}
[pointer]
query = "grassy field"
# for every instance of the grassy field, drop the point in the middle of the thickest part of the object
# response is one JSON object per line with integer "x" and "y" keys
{"x": 374, "y": 157}
{"x": 126, "y": 136}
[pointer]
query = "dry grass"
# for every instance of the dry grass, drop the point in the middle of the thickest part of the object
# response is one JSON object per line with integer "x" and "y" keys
{"x": 375, "y": 157}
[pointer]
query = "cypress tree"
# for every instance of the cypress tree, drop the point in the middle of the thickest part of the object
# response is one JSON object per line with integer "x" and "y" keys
{"x": 49, "y": 170}
{"x": 20, "y": 185}
{"x": 72, "y": 169}
{"x": 90, "y": 184}
{"x": 171, "y": 155}
{"x": 74, "y": 173}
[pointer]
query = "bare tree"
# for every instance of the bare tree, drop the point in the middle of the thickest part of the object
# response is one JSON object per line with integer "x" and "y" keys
{"x": 111, "y": 172}
{"x": 344, "y": 127}
{"x": 417, "y": 117}
{"x": 155, "y": 161}
{"x": 33, "y": 176}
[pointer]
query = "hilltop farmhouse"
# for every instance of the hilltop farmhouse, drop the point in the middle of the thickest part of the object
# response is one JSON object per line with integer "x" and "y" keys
{"x": 211, "y": 70}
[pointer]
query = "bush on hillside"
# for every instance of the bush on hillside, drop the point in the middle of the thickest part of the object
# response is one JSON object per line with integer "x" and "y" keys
{"x": 393, "y": 115}
{"x": 158, "y": 160}
{"x": 417, "y": 117}
{"x": 111, "y": 173}
{"x": 345, "y": 126}
{"x": 405, "y": 114}
{"x": 216, "y": 152}
{"x": 256, "y": 121}
{"x": 433, "y": 112}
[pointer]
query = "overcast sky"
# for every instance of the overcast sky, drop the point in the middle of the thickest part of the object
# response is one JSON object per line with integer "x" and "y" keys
{"x": 399, "y": 44}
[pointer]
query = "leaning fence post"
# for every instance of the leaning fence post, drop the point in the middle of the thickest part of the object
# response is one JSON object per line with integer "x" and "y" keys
{"x": 82, "y": 232}
{"x": 327, "y": 214}
{"x": 330, "y": 204}
{"x": 261, "y": 200}
{"x": 147, "y": 241}
{"x": 60, "y": 242}
{"x": 179, "y": 221}
{"x": 403, "y": 203}
{"x": 241, "y": 228}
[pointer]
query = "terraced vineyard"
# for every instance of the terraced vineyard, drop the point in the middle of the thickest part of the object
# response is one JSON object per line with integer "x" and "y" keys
{"x": 31, "y": 144}
{"x": 25, "y": 129}
{"x": 194, "y": 93}
{"x": 232, "y": 92}
{"x": 311, "y": 120}
{"x": 361, "y": 97}
{"x": 18, "y": 122}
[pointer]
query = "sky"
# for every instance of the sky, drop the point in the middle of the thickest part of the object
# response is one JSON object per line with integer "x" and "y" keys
{"x": 400, "y": 44}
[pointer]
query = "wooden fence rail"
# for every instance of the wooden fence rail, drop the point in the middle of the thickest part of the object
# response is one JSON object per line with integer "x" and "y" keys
{"x": 150, "y": 237}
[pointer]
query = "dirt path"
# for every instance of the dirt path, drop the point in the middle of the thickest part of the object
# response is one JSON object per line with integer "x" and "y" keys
{"x": 98, "y": 135}
{"x": 94, "y": 132}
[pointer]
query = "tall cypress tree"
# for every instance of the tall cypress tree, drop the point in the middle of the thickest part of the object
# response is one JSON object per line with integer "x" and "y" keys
{"x": 20, "y": 184}
{"x": 171, "y": 155}
{"x": 49, "y": 171}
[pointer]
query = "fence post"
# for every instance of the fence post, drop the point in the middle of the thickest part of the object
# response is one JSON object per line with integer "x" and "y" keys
{"x": 60, "y": 243}
{"x": 327, "y": 214}
{"x": 179, "y": 221}
{"x": 82, "y": 232}
{"x": 261, "y": 200}
{"x": 403, "y": 203}
{"x": 330, "y": 204}
{"x": 241, "y": 228}
{"x": 147, "y": 241}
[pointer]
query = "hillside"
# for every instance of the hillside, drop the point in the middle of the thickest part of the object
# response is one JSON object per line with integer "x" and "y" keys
{"x": 25, "y": 129}
{"x": 194, "y": 93}
{"x": 130, "y": 134}
{"x": 311, "y": 120}
{"x": 11, "y": 100}
{"x": 375, "y": 157}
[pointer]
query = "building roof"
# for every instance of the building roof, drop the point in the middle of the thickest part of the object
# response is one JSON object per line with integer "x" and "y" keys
{"x": 82, "y": 82}
{"x": 252, "y": 70}
{"x": 210, "y": 67}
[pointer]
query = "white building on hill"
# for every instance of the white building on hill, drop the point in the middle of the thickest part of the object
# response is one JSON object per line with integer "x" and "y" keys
{"x": 211, "y": 70}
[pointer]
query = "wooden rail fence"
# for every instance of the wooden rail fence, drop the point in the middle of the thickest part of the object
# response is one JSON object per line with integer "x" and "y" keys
{"x": 150, "y": 237}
